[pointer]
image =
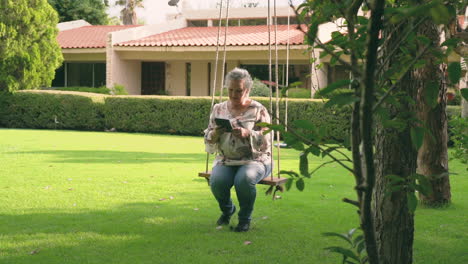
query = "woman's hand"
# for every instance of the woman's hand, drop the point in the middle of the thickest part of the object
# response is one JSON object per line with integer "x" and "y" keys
{"x": 217, "y": 132}
{"x": 240, "y": 132}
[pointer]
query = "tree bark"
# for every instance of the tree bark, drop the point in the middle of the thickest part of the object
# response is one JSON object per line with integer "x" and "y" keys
{"x": 462, "y": 85}
{"x": 394, "y": 155}
{"x": 432, "y": 156}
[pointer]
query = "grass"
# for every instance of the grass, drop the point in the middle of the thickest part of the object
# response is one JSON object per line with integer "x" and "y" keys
{"x": 95, "y": 197}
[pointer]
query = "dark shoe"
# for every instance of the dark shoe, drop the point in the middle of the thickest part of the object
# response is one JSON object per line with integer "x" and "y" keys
{"x": 224, "y": 219}
{"x": 243, "y": 226}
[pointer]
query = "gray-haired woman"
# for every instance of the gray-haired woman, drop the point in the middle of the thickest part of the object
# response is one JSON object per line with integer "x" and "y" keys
{"x": 244, "y": 156}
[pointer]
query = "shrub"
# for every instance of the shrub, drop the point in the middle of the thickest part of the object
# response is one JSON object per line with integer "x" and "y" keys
{"x": 149, "y": 114}
{"x": 259, "y": 89}
{"x": 100, "y": 90}
{"x": 453, "y": 111}
{"x": 318, "y": 94}
{"x": 51, "y": 110}
{"x": 157, "y": 114}
{"x": 298, "y": 93}
{"x": 120, "y": 90}
{"x": 459, "y": 137}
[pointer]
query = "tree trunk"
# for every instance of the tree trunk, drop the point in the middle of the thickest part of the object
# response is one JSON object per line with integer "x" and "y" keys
{"x": 462, "y": 85}
{"x": 394, "y": 223}
{"x": 394, "y": 155}
{"x": 432, "y": 156}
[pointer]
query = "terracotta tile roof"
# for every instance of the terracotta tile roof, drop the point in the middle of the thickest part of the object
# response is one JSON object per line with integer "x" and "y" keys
{"x": 87, "y": 36}
{"x": 206, "y": 36}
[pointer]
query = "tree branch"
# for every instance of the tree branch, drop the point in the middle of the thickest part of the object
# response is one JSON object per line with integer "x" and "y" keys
{"x": 395, "y": 85}
{"x": 310, "y": 143}
{"x": 366, "y": 125}
{"x": 352, "y": 202}
{"x": 323, "y": 46}
{"x": 323, "y": 165}
{"x": 397, "y": 46}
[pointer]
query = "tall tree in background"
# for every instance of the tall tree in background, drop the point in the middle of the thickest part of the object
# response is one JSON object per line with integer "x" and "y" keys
{"x": 128, "y": 13}
{"x": 93, "y": 11}
{"x": 432, "y": 102}
{"x": 29, "y": 50}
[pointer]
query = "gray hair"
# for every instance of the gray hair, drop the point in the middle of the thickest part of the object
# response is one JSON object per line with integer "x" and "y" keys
{"x": 239, "y": 74}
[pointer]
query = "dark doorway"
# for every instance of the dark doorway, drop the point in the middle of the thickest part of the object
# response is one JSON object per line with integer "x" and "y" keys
{"x": 153, "y": 77}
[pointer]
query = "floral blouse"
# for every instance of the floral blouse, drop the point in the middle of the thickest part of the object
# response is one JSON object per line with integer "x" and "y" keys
{"x": 239, "y": 151}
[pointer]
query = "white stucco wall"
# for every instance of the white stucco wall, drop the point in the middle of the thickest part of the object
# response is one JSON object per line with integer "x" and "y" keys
{"x": 72, "y": 24}
{"x": 199, "y": 83}
{"x": 175, "y": 77}
{"x": 116, "y": 70}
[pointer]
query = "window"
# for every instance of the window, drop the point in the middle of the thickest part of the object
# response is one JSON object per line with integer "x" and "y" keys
{"x": 337, "y": 73}
{"x": 80, "y": 74}
{"x": 232, "y": 22}
{"x": 197, "y": 23}
{"x": 253, "y": 22}
{"x": 284, "y": 20}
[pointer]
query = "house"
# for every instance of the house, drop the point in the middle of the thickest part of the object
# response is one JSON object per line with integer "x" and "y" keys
{"x": 178, "y": 57}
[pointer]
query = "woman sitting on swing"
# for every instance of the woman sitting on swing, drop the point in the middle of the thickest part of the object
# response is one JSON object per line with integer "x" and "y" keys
{"x": 244, "y": 152}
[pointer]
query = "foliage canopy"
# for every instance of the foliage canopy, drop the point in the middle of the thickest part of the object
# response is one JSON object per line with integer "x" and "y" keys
{"x": 93, "y": 11}
{"x": 29, "y": 51}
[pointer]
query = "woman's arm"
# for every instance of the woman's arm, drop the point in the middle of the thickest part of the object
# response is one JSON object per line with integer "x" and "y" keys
{"x": 212, "y": 133}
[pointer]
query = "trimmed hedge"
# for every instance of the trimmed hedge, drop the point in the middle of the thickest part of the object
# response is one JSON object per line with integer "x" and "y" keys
{"x": 149, "y": 114}
{"x": 51, "y": 110}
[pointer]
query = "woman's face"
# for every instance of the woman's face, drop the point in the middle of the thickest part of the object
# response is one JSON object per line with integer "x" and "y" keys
{"x": 237, "y": 91}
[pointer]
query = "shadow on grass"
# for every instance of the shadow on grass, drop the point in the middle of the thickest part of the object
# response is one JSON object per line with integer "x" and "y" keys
{"x": 108, "y": 156}
{"x": 132, "y": 233}
{"x": 124, "y": 157}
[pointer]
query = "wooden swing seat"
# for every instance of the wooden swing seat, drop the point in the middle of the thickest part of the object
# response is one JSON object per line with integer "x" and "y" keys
{"x": 272, "y": 181}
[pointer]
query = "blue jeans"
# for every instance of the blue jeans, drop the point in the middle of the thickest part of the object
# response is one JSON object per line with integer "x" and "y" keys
{"x": 244, "y": 178}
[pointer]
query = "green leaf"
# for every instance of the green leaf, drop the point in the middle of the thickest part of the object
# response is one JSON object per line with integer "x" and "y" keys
{"x": 417, "y": 136}
{"x": 304, "y": 164}
{"x": 289, "y": 184}
{"x": 424, "y": 40}
{"x": 263, "y": 124}
{"x": 300, "y": 184}
{"x": 451, "y": 42}
{"x": 440, "y": 14}
{"x": 412, "y": 201}
{"x": 454, "y": 71}
{"x": 464, "y": 93}
{"x": 360, "y": 246}
{"x": 314, "y": 150}
{"x": 396, "y": 123}
{"x": 328, "y": 151}
{"x": 342, "y": 236}
{"x": 305, "y": 124}
{"x": 343, "y": 251}
{"x": 431, "y": 94}
{"x": 395, "y": 178}
{"x": 289, "y": 173}
{"x": 424, "y": 185}
{"x": 342, "y": 99}
{"x": 419, "y": 64}
{"x": 334, "y": 86}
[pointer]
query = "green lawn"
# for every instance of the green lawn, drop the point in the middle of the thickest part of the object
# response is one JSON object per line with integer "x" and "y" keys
{"x": 95, "y": 197}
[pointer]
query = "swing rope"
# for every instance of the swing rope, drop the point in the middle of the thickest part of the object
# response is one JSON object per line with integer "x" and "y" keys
{"x": 224, "y": 51}
{"x": 216, "y": 65}
{"x": 287, "y": 76}
{"x": 277, "y": 87}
